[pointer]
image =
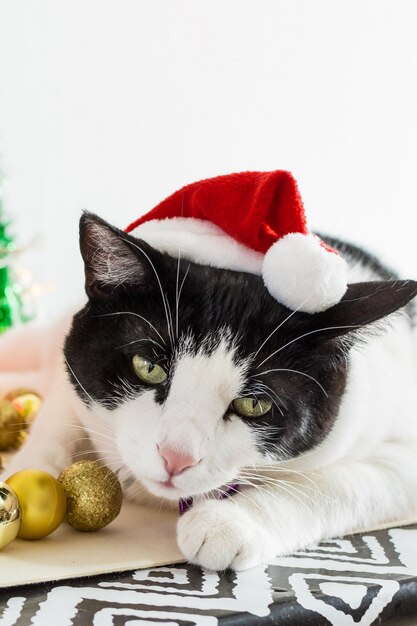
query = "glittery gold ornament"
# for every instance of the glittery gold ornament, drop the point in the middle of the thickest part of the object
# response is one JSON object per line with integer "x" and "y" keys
{"x": 21, "y": 391}
{"x": 94, "y": 495}
{"x": 10, "y": 515}
{"x": 42, "y": 501}
{"x": 27, "y": 405}
{"x": 12, "y": 426}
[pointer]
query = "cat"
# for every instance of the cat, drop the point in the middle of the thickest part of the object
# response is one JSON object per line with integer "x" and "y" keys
{"x": 277, "y": 428}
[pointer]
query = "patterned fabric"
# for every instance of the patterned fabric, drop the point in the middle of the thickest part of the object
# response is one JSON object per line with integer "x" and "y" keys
{"x": 363, "y": 579}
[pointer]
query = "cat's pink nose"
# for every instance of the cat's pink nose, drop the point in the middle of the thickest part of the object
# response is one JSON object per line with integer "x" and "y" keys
{"x": 175, "y": 462}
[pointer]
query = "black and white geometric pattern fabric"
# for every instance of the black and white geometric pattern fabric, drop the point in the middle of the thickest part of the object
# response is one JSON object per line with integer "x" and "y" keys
{"x": 359, "y": 580}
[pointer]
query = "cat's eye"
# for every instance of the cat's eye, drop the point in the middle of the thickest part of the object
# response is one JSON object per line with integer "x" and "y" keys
{"x": 251, "y": 407}
{"x": 149, "y": 372}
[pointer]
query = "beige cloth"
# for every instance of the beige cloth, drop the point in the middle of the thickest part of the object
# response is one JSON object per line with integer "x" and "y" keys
{"x": 140, "y": 537}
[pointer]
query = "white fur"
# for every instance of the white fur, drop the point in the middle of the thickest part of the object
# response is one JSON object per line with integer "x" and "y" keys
{"x": 296, "y": 270}
{"x": 199, "y": 241}
{"x": 364, "y": 473}
{"x": 301, "y": 274}
{"x": 113, "y": 264}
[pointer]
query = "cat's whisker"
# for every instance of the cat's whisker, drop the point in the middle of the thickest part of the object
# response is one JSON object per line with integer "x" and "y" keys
{"x": 170, "y": 323}
{"x": 135, "y": 315}
{"x": 244, "y": 495}
{"x": 273, "y": 495}
{"x": 160, "y": 504}
{"x": 286, "y": 470}
{"x": 280, "y": 325}
{"x": 305, "y": 477}
{"x": 182, "y": 282}
{"x": 146, "y": 339}
{"x": 224, "y": 496}
{"x": 111, "y": 471}
{"x": 311, "y": 332}
{"x": 84, "y": 429}
{"x": 176, "y": 292}
{"x": 317, "y": 504}
{"x": 77, "y": 426}
{"x": 97, "y": 451}
{"x": 262, "y": 386}
{"x": 134, "y": 485}
{"x": 78, "y": 381}
{"x": 124, "y": 390}
{"x": 294, "y": 485}
{"x": 103, "y": 459}
{"x": 283, "y": 369}
{"x": 264, "y": 389}
{"x": 305, "y": 455}
{"x": 80, "y": 440}
{"x": 135, "y": 490}
{"x": 164, "y": 297}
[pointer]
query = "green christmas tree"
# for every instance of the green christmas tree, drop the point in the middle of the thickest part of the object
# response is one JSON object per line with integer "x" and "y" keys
{"x": 12, "y": 310}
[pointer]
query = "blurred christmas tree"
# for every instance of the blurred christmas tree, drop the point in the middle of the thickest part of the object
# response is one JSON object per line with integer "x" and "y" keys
{"x": 12, "y": 309}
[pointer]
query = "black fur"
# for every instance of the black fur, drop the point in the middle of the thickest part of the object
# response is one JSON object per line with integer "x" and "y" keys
{"x": 111, "y": 328}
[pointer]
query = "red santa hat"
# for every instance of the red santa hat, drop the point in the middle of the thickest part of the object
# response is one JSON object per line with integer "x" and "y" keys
{"x": 251, "y": 222}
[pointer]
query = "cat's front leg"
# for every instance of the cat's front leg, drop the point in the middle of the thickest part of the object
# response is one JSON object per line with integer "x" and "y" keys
{"x": 282, "y": 516}
{"x": 247, "y": 528}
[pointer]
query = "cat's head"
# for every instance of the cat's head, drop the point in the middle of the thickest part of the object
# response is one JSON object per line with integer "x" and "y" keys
{"x": 199, "y": 371}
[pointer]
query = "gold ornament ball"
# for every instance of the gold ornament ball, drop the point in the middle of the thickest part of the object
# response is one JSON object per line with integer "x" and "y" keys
{"x": 94, "y": 495}
{"x": 27, "y": 405}
{"x": 21, "y": 391}
{"x": 12, "y": 426}
{"x": 42, "y": 501}
{"x": 10, "y": 515}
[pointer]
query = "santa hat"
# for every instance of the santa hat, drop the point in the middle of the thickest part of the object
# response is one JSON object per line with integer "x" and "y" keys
{"x": 251, "y": 222}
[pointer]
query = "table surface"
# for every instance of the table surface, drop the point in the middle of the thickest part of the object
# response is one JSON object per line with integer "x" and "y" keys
{"x": 361, "y": 579}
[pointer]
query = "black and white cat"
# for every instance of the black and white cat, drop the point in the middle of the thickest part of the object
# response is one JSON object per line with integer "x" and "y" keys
{"x": 192, "y": 382}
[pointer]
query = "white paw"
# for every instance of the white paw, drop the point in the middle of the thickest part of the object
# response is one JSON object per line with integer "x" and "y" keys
{"x": 218, "y": 535}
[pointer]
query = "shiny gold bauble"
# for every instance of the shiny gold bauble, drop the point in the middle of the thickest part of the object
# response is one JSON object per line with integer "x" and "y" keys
{"x": 10, "y": 515}
{"x": 12, "y": 426}
{"x": 94, "y": 495}
{"x": 42, "y": 501}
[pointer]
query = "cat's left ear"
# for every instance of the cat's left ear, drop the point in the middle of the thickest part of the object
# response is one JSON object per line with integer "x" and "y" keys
{"x": 113, "y": 259}
{"x": 362, "y": 304}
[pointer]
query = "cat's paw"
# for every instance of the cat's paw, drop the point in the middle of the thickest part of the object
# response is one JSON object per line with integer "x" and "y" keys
{"x": 218, "y": 535}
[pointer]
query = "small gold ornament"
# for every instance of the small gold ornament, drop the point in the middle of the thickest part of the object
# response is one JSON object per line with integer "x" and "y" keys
{"x": 10, "y": 515}
{"x": 21, "y": 391}
{"x": 94, "y": 495}
{"x": 42, "y": 501}
{"x": 27, "y": 405}
{"x": 12, "y": 426}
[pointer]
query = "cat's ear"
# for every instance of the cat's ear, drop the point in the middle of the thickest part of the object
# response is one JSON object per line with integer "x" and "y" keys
{"x": 362, "y": 304}
{"x": 112, "y": 258}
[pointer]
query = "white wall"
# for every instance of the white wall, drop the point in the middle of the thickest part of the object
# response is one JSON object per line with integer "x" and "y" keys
{"x": 111, "y": 105}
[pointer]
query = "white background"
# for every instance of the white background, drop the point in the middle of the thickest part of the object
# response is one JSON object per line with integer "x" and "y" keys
{"x": 111, "y": 105}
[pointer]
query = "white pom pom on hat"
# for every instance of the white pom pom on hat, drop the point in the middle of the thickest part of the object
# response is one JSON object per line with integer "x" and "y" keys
{"x": 252, "y": 222}
{"x": 301, "y": 274}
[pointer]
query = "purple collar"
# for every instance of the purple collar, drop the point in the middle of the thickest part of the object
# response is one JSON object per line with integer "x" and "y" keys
{"x": 184, "y": 504}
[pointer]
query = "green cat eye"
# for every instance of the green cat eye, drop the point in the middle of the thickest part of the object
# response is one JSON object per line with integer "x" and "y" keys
{"x": 149, "y": 372}
{"x": 251, "y": 407}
